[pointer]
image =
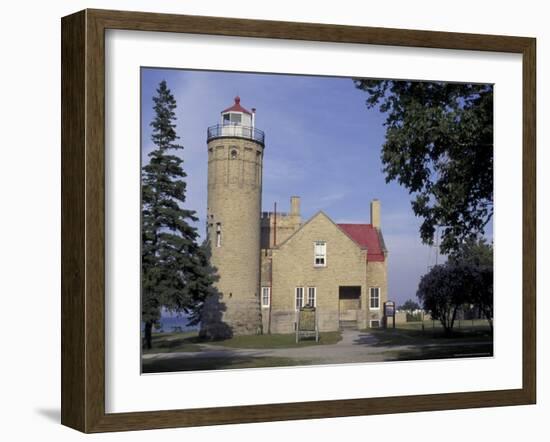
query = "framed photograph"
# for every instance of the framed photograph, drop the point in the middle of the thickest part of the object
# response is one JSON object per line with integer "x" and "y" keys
{"x": 269, "y": 220}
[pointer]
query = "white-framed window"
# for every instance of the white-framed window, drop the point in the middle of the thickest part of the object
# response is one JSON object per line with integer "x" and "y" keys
{"x": 374, "y": 298}
{"x": 218, "y": 234}
{"x": 299, "y": 297}
{"x": 266, "y": 296}
{"x": 320, "y": 253}
{"x": 312, "y": 296}
{"x": 375, "y": 323}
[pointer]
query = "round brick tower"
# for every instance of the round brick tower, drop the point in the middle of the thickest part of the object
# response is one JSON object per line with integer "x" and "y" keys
{"x": 235, "y": 152}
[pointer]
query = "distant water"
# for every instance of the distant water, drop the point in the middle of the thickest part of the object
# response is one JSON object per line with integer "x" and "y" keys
{"x": 170, "y": 323}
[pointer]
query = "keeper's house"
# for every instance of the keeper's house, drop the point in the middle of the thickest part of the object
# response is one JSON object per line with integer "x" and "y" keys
{"x": 271, "y": 264}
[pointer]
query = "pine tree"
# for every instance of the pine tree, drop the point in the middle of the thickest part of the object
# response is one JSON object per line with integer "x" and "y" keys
{"x": 175, "y": 271}
{"x": 203, "y": 283}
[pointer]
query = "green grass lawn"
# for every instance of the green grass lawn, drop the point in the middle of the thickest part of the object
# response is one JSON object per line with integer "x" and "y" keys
{"x": 174, "y": 342}
{"x": 401, "y": 335}
{"x": 462, "y": 325}
{"x": 440, "y": 352}
{"x": 432, "y": 343}
{"x": 412, "y": 334}
{"x": 217, "y": 363}
{"x": 191, "y": 342}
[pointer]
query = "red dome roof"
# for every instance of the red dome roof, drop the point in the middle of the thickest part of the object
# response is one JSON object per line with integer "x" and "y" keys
{"x": 237, "y": 107}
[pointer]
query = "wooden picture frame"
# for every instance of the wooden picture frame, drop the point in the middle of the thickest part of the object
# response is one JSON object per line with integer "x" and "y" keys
{"x": 83, "y": 220}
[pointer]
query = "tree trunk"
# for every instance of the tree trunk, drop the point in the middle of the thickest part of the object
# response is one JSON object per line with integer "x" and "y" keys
{"x": 453, "y": 317}
{"x": 489, "y": 318}
{"x": 148, "y": 333}
{"x": 444, "y": 319}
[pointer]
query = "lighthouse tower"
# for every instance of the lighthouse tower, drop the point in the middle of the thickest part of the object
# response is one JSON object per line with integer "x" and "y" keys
{"x": 235, "y": 153}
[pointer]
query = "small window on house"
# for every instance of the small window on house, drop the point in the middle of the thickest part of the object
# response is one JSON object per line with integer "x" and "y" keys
{"x": 312, "y": 296}
{"x": 320, "y": 254}
{"x": 226, "y": 118}
{"x": 236, "y": 118}
{"x": 266, "y": 296}
{"x": 374, "y": 323}
{"x": 234, "y": 154}
{"x": 299, "y": 297}
{"x": 218, "y": 234}
{"x": 374, "y": 298}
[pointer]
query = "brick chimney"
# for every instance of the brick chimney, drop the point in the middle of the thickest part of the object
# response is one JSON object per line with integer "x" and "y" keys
{"x": 295, "y": 205}
{"x": 375, "y": 213}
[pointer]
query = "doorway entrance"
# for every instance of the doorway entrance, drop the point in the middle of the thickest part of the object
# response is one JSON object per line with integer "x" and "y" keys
{"x": 349, "y": 303}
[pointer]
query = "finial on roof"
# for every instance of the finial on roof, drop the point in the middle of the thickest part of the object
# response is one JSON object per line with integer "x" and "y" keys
{"x": 236, "y": 107}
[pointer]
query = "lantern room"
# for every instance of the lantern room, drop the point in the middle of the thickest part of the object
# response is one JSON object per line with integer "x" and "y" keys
{"x": 237, "y": 115}
{"x": 236, "y": 121}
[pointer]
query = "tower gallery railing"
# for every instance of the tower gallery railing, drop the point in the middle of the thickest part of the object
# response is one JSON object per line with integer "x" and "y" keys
{"x": 235, "y": 130}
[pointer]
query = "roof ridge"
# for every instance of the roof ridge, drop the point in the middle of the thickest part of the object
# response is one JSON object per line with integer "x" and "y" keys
{"x": 319, "y": 212}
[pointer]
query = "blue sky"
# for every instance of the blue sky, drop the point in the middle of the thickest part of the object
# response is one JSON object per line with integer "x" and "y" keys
{"x": 322, "y": 144}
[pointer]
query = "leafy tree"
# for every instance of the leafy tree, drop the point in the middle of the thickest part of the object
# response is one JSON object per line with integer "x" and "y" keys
{"x": 175, "y": 274}
{"x": 479, "y": 255}
{"x": 410, "y": 307}
{"x": 482, "y": 296}
{"x": 476, "y": 252}
{"x": 444, "y": 289}
{"x": 439, "y": 145}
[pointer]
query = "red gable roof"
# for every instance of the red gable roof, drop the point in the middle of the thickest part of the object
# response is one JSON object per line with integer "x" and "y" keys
{"x": 367, "y": 237}
{"x": 237, "y": 107}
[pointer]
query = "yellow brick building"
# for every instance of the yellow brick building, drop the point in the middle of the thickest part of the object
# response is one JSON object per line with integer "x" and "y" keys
{"x": 271, "y": 264}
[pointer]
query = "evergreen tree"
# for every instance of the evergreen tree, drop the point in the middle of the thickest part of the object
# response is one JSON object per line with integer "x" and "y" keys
{"x": 203, "y": 283}
{"x": 175, "y": 274}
